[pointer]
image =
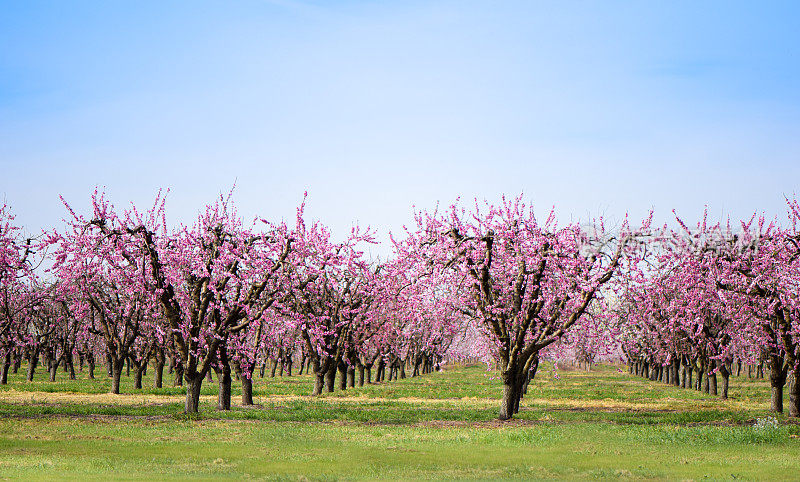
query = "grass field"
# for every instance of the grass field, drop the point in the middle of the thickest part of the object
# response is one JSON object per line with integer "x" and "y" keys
{"x": 578, "y": 425}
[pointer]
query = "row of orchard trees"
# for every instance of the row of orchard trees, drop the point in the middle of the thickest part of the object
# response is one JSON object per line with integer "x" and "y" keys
{"x": 218, "y": 295}
{"x": 715, "y": 296}
{"x": 489, "y": 281}
{"x": 492, "y": 282}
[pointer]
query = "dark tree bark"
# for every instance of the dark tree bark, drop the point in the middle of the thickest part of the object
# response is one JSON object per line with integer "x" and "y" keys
{"x": 725, "y": 374}
{"x": 33, "y": 361}
{"x": 69, "y": 366}
{"x": 682, "y": 375}
{"x": 137, "y": 378}
{"x": 342, "y": 376}
{"x": 712, "y": 383}
{"x": 158, "y": 374}
{"x": 794, "y": 394}
{"x": 90, "y": 364}
{"x": 330, "y": 379}
{"x": 513, "y": 379}
{"x": 178, "y": 367}
{"x": 324, "y": 371}
{"x": 676, "y": 367}
{"x": 777, "y": 379}
{"x": 689, "y": 373}
{"x": 6, "y": 366}
{"x": 223, "y": 370}
{"x": 224, "y": 396}
{"x": 194, "y": 383}
{"x": 54, "y": 369}
{"x": 247, "y": 389}
{"x": 116, "y": 374}
{"x": 274, "y": 367}
{"x": 319, "y": 383}
{"x": 109, "y": 365}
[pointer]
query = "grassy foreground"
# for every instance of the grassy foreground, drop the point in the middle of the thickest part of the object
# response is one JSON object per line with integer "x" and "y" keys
{"x": 603, "y": 424}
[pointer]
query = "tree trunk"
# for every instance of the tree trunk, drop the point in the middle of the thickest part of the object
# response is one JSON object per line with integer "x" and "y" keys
{"x": 137, "y": 374}
{"x": 33, "y": 360}
{"x": 247, "y": 389}
{"x": 6, "y": 366}
{"x": 69, "y": 366}
{"x": 54, "y": 369}
{"x": 794, "y": 395}
{"x": 509, "y": 401}
{"x": 319, "y": 376}
{"x": 90, "y": 363}
{"x": 689, "y": 373}
{"x": 158, "y": 378}
{"x": 776, "y": 396}
{"x": 224, "y": 396}
{"x": 676, "y": 368}
{"x": 777, "y": 378}
{"x": 193, "y": 384}
{"x": 330, "y": 379}
{"x": 706, "y": 378}
{"x": 723, "y": 371}
{"x": 224, "y": 380}
{"x": 513, "y": 380}
{"x": 178, "y": 369}
{"x": 319, "y": 383}
{"x": 116, "y": 374}
{"x": 360, "y": 375}
{"x": 342, "y": 376}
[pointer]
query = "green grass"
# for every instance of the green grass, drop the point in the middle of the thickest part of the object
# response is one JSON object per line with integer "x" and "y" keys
{"x": 604, "y": 424}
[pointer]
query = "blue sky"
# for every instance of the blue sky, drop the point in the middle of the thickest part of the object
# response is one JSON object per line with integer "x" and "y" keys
{"x": 594, "y": 107}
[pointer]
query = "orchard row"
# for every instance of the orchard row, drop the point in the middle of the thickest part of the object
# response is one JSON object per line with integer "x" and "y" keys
{"x": 488, "y": 282}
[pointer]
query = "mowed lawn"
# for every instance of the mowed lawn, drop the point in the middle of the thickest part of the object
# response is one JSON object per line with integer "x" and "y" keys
{"x": 573, "y": 425}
